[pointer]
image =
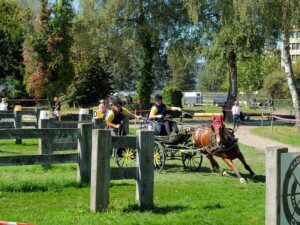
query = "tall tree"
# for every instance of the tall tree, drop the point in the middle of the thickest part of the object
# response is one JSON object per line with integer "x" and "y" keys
{"x": 91, "y": 82}
{"x": 11, "y": 40}
{"x": 61, "y": 42}
{"x": 37, "y": 52}
{"x": 234, "y": 31}
{"x": 47, "y": 49}
{"x": 145, "y": 26}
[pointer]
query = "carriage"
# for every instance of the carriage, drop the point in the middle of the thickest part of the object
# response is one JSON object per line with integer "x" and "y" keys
{"x": 173, "y": 147}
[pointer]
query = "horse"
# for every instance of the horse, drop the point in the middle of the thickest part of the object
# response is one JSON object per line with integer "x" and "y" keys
{"x": 217, "y": 140}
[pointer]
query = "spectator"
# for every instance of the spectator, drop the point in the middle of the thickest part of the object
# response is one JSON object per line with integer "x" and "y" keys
{"x": 56, "y": 110}
{"x": 4, "y": 105}
{"x": 103, "y": 106}
{"x": 236, "y": 111}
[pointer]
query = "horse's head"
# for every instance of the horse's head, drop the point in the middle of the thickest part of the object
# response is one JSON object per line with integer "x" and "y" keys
{"x": 218, "y": 128}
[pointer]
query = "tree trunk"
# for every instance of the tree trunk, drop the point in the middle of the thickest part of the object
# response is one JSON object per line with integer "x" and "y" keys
{"x": 146, "y": 78}
{"x": 289, "y": 73}
{"x": 233, "y": 88}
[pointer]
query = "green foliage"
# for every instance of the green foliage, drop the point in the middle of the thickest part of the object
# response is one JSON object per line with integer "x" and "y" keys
{"x": 275, "y": 84}
{"x": 182, "y": 64}
{"x": 172, "y": 96}
{"x": 91, "y": 81}
{"x": 47, "y": 49}
{"x": 11, "y": 40}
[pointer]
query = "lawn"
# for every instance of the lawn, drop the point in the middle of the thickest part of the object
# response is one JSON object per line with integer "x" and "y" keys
{"x": 30, "y": 194}
{"x": 285, "y": 134}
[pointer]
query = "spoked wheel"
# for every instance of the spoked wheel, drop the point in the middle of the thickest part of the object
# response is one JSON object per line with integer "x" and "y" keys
{"x": 125, "y": 157}
{"x": 159, "y": 156}
{"x": 191, "y": 161}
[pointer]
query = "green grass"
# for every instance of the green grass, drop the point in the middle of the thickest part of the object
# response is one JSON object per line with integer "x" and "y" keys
{"x": 30, "y": 194}
{"x": 284, "y": 134}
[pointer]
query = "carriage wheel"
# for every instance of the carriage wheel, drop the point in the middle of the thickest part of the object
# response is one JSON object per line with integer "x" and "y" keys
{"x": 159, "y": 156}
{"x": 125, "y": 157}
{"x": 191, "y": 161}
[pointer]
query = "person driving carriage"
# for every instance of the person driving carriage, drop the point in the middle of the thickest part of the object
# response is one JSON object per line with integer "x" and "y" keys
{"x": 159, "y": 114}
{"x": 115, "y": 118}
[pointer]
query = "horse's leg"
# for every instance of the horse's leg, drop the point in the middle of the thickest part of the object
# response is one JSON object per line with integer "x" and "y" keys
{"x": 214, "y": 165}
{"x": 233, "y": 167}
{"x": 247, "y": 167}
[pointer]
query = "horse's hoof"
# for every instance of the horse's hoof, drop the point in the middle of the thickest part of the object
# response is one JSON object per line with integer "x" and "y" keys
{"x": 243, "y": 181}
{"x": 225, "y": 173}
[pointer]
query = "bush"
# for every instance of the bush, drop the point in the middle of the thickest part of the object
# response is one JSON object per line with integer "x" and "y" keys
{"x": 172, "y": 96}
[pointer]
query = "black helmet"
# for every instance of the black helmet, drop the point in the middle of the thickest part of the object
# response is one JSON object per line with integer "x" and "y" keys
{"x": 117, "y": 102}
{"x": 158, "y": 97}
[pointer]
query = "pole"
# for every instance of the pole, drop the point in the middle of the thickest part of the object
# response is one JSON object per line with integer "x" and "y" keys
{"x": 272, "y": 121}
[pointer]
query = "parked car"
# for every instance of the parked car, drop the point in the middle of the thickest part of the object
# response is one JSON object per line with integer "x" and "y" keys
{"x": 219, "y": 101}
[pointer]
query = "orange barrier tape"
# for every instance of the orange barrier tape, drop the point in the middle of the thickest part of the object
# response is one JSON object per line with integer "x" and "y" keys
{"x": 13, "y": 223}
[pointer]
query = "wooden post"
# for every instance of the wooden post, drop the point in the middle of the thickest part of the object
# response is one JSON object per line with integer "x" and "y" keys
{"x": 84, "y": 150}
{"x": 99, "y": 123}
{"x": 272, "y": 121}
{"x": 45, "y": 142}
{"x": 273, "y": 184}
{"x": 100, "y": 175}
{"x": 145, "y": 169}
{"x": 18, "y": 123}
{"x": 126, "y": 123}
{"x": 86, "y": 116}
{"x": 37, "y": 116}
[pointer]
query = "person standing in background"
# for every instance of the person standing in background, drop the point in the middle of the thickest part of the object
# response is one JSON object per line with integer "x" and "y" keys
{"x": 4, "y": 105}
{"x": 56, "y": 110}
{"x": 236, "y": 111}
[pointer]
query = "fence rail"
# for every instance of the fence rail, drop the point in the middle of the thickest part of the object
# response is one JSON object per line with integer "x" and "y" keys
{"x": 22, "y": 160}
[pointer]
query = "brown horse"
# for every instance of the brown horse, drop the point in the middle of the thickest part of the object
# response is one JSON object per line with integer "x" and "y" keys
{"x": 216, "y": 140}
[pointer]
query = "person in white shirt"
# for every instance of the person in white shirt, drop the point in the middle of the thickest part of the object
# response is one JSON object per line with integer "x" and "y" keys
{"x": 4, "y": 105}
{"x": 236, "y": 111}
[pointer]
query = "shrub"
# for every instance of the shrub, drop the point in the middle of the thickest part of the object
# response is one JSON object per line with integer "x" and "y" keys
{"x": 172, "y": 96}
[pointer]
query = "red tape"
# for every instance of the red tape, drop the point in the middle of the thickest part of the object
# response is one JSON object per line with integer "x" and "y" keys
{"x": 286, "y": 120}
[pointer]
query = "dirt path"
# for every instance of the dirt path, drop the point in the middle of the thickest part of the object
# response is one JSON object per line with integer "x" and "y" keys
{"x": 246, "y": 137}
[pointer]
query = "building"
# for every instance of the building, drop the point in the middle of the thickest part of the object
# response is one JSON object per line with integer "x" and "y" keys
{"x": 294, "y": 47}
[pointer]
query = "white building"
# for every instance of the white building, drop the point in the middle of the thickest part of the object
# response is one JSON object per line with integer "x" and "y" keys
{"x": 294, "y": 47}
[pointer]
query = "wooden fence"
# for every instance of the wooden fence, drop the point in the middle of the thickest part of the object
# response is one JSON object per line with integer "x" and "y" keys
{"x": 65, "y": 142}
{"x": 83, "y": 134}
{"x": 101, "y": 173}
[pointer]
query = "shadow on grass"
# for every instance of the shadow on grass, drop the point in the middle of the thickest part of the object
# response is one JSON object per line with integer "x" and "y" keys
{"x": 161, "y": 210}
{"x": 213, "y": 207}
{"x": 177, "y": 168}
{"x": 31, "y": 187}
{"x": 123, "y": 184}
{"x": 256, "y": 179}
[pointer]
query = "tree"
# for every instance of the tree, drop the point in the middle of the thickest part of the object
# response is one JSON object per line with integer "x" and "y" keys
{"x": 61, "y": 43}
{"x": 37, "y": 52}
{"x": 234, "y": 31}
{"x": 91, "y": 81}
{"x": 145, "y": 26}
{"x": 11, "y": 40}
{"x": 46, "y": 49}
{"x": 182, "y": 64}
{"x": 286, "y": 21}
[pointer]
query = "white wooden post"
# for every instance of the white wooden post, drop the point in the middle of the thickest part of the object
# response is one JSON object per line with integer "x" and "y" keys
{"x": 145, "y": 169}
{"x": 100, "y": 175}
{"x": 84, "y": 150}
{"x": 273, "y": 184}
